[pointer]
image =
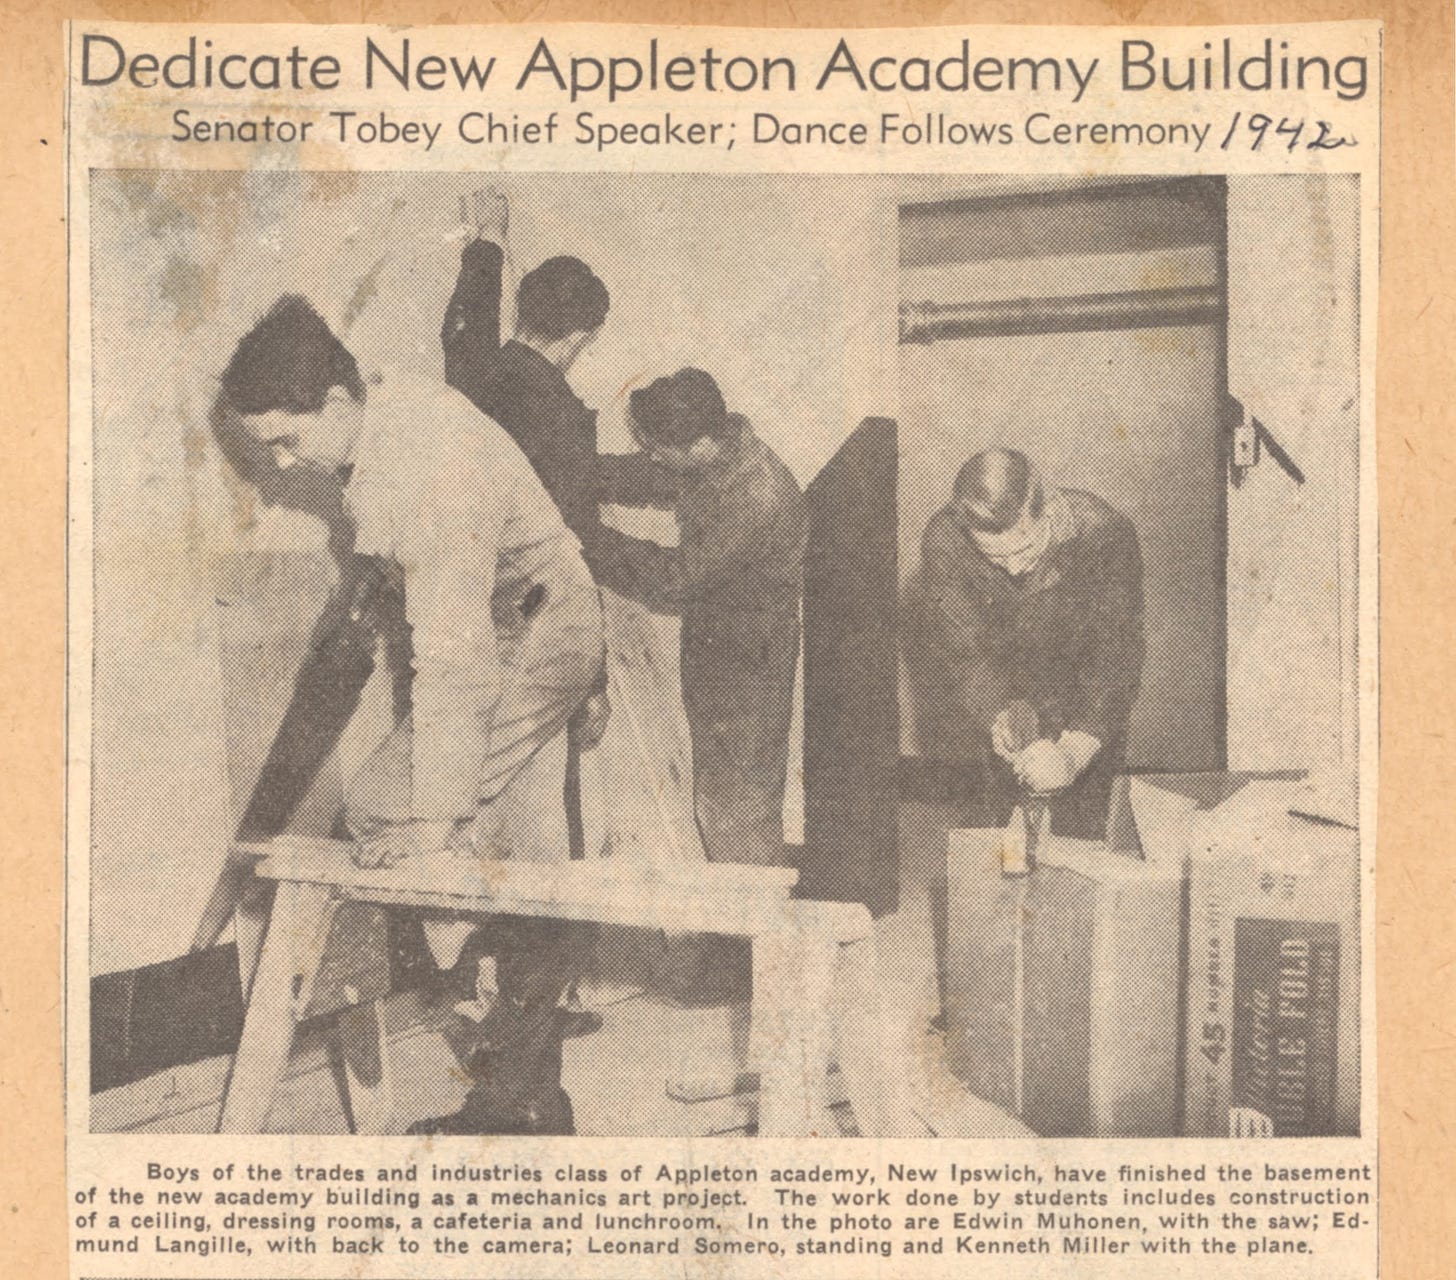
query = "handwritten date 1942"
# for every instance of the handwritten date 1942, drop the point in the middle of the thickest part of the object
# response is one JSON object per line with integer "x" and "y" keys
{"x": 1258, "y": 129}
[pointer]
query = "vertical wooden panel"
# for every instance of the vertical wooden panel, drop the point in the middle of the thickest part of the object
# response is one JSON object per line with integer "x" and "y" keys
{"x": 851, "y": 716}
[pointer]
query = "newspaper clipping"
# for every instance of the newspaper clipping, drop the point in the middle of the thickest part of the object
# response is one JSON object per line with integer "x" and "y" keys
{"x": 721, "y": 652}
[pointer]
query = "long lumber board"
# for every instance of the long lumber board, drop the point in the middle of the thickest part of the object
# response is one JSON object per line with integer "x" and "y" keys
{"x": 717, "y": 898}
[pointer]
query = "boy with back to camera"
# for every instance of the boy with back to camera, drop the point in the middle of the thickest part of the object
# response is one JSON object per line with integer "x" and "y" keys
{"x": 736, "y": 580}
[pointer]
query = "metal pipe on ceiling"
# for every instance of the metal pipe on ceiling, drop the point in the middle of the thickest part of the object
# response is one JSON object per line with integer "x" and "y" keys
{"x": 927, "y": 322}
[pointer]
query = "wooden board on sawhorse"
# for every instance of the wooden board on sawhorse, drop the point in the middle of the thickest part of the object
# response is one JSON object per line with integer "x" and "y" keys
{"x": 813, "y": 966}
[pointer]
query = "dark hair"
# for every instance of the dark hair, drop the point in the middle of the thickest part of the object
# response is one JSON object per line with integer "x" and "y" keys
{"x": 683, "y": 408}
{"x": 561, "y": 297}
{"x": 290, "y": 360}
{"x": 997, "y": 484}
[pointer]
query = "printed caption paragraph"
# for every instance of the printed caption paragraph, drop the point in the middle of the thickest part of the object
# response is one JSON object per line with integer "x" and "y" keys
{"x": 1247, "y": 1208}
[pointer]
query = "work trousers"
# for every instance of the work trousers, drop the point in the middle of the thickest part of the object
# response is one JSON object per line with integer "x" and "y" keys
{"x": 738, "y": 691}
{"x": 551, "y": 660}
{"x": 738, "y": 671}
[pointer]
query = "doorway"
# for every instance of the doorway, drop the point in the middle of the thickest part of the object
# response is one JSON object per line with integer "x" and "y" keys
{"x": 1086, "y": 326}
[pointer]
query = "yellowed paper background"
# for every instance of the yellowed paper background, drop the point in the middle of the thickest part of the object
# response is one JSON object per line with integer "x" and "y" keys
{"x": 1416, "y": 958}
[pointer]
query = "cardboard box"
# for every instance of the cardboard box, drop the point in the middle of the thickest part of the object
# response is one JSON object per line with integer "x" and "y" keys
{"x": 984, "y": 912}
{"x": 1063, "y": 987}
{"x": 1149, "y": 814}
{"x": 1273, "y": 1032}
{"x": 1102, "y": 987}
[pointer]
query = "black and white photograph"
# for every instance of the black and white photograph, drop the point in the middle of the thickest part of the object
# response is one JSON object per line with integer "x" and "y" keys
{"x": 687, "y": 655}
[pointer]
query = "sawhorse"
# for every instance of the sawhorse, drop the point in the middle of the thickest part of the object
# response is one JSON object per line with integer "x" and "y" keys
{"x": 814, "y": 972}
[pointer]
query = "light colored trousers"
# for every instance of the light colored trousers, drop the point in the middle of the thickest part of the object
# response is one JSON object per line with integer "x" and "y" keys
{"x": 549, "y": 664}
{"x": 550, "y": 660}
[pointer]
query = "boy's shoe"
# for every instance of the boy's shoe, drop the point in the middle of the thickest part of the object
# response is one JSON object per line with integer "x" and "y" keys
{"x": 550, "y": 1117}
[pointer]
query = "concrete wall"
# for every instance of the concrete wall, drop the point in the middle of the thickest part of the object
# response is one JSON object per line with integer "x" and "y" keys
{"x": 1293, "y": 549}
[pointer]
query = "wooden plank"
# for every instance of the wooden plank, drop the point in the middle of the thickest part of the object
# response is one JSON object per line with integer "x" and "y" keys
{"x": 793, "y": 976}
{"x": 363, "y": 1044}
{"x": 644, "y": 762}
{"x": 682, "y": 914}
{"x": 722, "y": 899}
{"x": 250, "y": 927}
{"x": 285, "y": 855}
{"x": 296, "y": 936}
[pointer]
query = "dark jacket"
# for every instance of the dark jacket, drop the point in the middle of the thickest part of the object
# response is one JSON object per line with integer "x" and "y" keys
{"x": 1068, "y": 637}
{"x": 736, "y": 578}
{"x": 471, "y": 332}
{"x": 520, "y": 389}
{"x": 529, "y": 396}
{"x": 741, "y": 535}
